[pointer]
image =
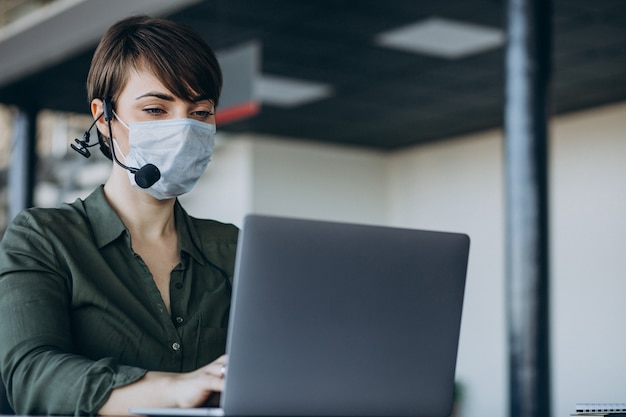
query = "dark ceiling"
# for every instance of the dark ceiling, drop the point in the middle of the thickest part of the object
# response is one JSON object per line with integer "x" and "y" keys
{"x": 384, "y": 98}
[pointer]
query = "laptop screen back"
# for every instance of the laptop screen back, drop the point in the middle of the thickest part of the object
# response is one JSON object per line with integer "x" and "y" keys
{"x": 334, "y": 319}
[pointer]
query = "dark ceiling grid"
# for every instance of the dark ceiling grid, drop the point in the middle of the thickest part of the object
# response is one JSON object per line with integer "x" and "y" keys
{"x": 589, "y": 54}
{"x": 384, "y": 98}
{"x": 336, "y": 45}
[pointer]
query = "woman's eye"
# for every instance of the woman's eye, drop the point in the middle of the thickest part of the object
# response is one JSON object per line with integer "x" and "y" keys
{"x": 203, "y": 114}
{"x": 154, "y": 111}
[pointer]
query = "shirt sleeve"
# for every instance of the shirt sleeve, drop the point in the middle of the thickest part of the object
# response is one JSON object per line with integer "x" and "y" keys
{"x": 41, "y": 372}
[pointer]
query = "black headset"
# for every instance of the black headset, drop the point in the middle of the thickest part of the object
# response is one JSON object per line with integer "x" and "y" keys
{"x": 145, "y": 177}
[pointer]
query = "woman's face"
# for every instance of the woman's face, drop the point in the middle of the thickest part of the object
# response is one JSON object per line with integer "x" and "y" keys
{"x": 145, "y": 98}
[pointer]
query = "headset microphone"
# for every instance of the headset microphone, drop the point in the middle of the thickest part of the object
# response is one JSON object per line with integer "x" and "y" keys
{"x": 145, "y": 177}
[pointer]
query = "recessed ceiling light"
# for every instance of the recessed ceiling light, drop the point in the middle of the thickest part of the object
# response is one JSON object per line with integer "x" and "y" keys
{"x": 442, "y": 38}
{"x": 289, "y": 92}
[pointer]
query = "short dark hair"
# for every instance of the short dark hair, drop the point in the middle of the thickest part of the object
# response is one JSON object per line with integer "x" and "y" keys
{"x": 176, "y": 54}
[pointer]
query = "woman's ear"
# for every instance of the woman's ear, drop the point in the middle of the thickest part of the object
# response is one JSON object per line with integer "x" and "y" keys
{"x": 97, "y": 110}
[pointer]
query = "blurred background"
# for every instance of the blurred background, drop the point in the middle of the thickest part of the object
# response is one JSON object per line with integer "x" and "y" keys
{"x": 372, "y": 112}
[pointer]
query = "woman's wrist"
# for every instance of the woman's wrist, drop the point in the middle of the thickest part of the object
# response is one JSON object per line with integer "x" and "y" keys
{"x": 155, "y": 389}
{"x": 163, "y": 387}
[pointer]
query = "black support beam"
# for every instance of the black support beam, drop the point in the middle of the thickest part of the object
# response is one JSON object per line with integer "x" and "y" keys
{"x": 21, "y": 174}
{"x": 527, "y": 74}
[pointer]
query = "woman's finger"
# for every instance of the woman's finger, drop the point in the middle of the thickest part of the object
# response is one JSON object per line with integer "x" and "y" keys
{"x": 216, "y": 368}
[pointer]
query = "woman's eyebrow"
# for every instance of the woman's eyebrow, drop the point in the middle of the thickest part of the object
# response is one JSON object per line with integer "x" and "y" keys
{"x": 156, "y": 94}
{"x": 201, "y": 98}
{"x": 168, "y": 97}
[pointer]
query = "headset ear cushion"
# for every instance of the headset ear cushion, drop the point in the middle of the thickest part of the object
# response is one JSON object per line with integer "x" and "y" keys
{"x": 107, "y": 108}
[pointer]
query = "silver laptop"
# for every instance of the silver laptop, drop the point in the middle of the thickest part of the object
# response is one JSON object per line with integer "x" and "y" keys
{"x": 343, "y": 320}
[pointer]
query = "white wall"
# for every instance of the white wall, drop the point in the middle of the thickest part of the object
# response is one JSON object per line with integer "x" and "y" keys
{"x": 256, "y": 174}
{"x": 589, "y": 262}
{"x": 458, "y": 185}
{"x": 308, "y": 180}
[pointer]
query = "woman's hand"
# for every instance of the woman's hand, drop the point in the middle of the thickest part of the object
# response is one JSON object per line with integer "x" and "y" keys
{"x": 165, "y": 389}
{"x": 200, "y": 387}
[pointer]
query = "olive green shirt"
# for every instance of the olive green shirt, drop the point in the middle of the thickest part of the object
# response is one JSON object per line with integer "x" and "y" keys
{"x": 81, "y": 315}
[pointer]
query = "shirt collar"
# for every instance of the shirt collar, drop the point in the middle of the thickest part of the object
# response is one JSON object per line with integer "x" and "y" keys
{"x": 188, "y": 239}
{"x": 107, "y": 226}
{"x": 105, "y": 223}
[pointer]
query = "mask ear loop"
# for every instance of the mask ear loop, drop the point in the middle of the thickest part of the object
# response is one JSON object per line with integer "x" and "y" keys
{"x": 108, "y": 116}
{"x": 120, "y": 120}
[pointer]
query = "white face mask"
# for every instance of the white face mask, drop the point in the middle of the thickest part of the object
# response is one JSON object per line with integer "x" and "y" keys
{"x": 180, "y": 148}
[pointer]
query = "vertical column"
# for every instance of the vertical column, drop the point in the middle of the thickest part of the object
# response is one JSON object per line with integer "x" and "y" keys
{"x": 21, "y": 174}
{"x": 526, "y": 159}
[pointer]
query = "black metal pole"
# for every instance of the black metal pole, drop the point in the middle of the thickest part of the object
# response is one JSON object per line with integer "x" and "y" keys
{"x": 21, "y": 174}
{"x": 526, "y": 159}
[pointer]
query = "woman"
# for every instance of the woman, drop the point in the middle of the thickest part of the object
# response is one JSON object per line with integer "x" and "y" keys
{"x": 122, "y": 299}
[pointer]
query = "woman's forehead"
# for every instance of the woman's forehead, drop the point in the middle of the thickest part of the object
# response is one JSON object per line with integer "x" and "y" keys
{"x": 142, "y": 82}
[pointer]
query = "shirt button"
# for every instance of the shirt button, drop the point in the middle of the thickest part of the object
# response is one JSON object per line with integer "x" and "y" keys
{"x": 178, "y": 285}
{"x": 175, "y": 346}
{"x": 179, "y": 320}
